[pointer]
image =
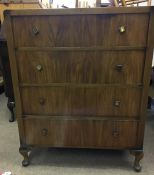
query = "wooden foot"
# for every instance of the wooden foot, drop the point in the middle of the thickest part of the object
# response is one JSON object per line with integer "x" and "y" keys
{"x": 24, "y": 153}
{"x": 11, "y": 105}
{"x": 138, "y": 156}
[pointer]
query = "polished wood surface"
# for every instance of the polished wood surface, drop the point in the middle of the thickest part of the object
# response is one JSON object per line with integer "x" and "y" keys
{"x": 81, "y": 67}
{"x": 91, "y": 101}
{"x": 81, "y": 73}
{"x": 64, "y": 31}
{"x": 81, "y": 133}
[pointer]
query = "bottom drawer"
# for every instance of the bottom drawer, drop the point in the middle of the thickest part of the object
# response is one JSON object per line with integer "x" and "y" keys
{"x": 81, "y": 133}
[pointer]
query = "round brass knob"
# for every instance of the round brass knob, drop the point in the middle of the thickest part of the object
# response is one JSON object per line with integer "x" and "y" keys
{"x": 122, "y": 29}
{"x": 35, "y": 30}
{"x": 115, "y": 134}
{"x": 44, "y": 132}
{"x": 41, "y": 101}
{"x": 39, "y": 68}
{"x": 119, "y": 67}
{"x": 117, "y": 103}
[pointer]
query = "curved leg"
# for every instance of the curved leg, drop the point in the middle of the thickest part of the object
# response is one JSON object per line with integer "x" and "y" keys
{"x": 11, "y": 106}
{"x": 138, "y": 156}
{"x": 24, "y": 153}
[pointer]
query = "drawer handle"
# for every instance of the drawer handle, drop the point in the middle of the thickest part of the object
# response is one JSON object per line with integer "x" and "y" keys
{"x": 122, "y": 29}
{"x": 42, "y": 101}
{"x": 119, "y": 67}
{"x": 117, "y": 103}
{"x": 39, "y": 68}
{"x": 115, "y": 134}
{"x": 35, "y": 31}
{"x": 140, "y": 85}
{"x": 44, "y": 132}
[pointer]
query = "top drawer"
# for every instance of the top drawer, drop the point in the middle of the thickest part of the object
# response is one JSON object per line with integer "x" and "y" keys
{"x": 81, "y": 30}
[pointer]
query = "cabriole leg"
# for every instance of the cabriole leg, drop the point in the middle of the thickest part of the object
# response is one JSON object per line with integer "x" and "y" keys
{"x": 24, "y": 153}
{"x": 138, "y": 156}
{"x": 11, "y": 106}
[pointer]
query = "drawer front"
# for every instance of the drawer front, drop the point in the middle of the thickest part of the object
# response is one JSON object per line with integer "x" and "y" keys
{"x": 81, "y": 30}
{"x": 81, "y": 133}
{"x": 124, "y": 67}
{"x": 81, "y": 101}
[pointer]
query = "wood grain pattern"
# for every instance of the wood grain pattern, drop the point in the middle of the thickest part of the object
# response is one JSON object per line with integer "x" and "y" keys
{"x": 82, "y": 101}
{"x": 135, "y": 34}
{"x": 81, "y": 67}
{"x": 78, "y": 81}
{"x": 64, "y": 31}
{"x": 76, "y": 133}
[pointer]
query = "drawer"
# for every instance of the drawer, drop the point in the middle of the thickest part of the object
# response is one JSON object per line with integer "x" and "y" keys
{"x": 81, "y": 101}
{"x": 124, "y": 67}
{"x": 81, "y": 133}
{"x": 81, "y": 30}
{"x": 122, "y": 30}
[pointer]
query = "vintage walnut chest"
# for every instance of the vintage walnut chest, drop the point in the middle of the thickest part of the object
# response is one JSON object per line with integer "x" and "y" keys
{"x": 81, "y": 77}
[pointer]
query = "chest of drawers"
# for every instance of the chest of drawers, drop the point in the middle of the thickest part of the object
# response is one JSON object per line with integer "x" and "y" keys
{"x": 81, "y": 77}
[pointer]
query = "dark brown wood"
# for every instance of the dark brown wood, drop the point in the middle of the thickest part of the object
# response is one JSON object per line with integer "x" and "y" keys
{"x": 11, "y": 106}
{"x": 73, "y": 67}
{"x": 138, "y": 85}
{"x": 61, "y": 133}
{"x": 51, "y": 33}
{"x": 140, "y": 134}
{"x": 90, "y": 49}
{"x": 77, "y": 11}
{"x": 138, "y": 156}
{"x": 72, "y": 101}
{"x": 83, "y": 74}
{"x": 24, "y": 152}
